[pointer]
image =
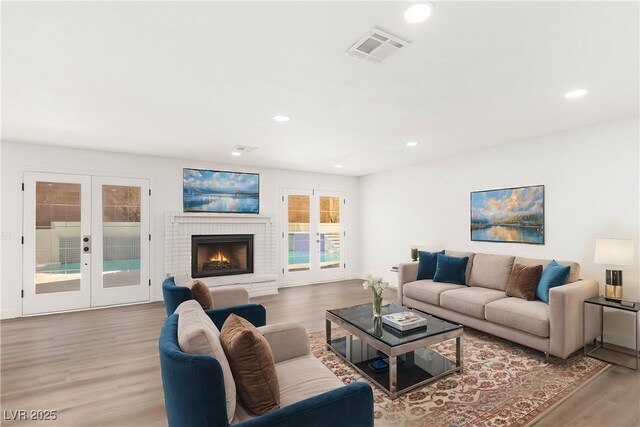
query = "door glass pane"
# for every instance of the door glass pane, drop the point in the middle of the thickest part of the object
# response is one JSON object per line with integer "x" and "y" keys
{"x": 120, "y": 236}
{"x": 298, "y": 220}
{"x": 329, "y": 232}
{"x": 57, "y": 237}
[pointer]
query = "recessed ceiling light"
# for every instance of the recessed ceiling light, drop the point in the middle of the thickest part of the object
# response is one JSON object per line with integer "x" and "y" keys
{"x": 338, "y": 166}
{"x": 281, "y": 118}
{"x": 235, "y": 153}
{"x": 412, "y": 144}
{"x": 575, "y": 93}
{"x": 418, "y": 12}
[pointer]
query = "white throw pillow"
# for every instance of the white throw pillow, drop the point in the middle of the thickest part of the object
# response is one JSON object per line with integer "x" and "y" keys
{"x": 197, "y": 334}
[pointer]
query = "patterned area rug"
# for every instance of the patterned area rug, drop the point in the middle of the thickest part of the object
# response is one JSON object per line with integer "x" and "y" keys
{"x": 503, "y": 384}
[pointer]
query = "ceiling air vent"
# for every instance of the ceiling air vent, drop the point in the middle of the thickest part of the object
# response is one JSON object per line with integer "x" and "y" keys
{"x": 376, "y": 46}
{"x": 244, "y": 148}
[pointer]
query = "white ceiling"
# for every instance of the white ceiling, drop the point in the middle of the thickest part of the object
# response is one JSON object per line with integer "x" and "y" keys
{"x": 194, "y": 79}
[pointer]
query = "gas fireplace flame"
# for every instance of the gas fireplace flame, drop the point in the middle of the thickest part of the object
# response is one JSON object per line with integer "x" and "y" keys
{"x": 219, "y": 257}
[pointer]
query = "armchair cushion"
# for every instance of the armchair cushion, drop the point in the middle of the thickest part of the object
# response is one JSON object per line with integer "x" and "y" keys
{"x": 304, "y": 377}
{"x": 228, "y": 296}
{"x": 252, "y": 365}
{"x": 201, "y": 293}
{"x": 287, "y": 340}
{"x": 254, "y": 313}
{"x": 198, "y": 335}
{"x": 300, "y": 378}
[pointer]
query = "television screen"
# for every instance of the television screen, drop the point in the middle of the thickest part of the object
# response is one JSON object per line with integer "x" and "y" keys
{"x": 220, "y": 191}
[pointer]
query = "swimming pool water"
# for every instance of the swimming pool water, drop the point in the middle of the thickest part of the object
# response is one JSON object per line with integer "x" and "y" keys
{"x": 74, "y": 267}
{"x": 302, "y": 257}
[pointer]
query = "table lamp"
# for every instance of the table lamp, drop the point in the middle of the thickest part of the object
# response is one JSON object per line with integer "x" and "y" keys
{"x": 614, "y": 252}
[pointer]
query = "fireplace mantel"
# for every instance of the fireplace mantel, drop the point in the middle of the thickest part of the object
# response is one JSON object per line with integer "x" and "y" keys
{"x": 179, "y": 227}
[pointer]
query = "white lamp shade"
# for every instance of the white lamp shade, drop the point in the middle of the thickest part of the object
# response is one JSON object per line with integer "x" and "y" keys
{"x": 614, "y": 251}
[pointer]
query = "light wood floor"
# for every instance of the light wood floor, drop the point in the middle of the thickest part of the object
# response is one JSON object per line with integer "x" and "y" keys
{"x": 101, "y": 368}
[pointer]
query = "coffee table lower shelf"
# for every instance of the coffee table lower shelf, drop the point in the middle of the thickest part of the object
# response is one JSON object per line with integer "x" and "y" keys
{"x": 411, "y": 369}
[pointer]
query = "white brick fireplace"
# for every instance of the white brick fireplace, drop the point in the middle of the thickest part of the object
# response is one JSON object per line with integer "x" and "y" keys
{"x": 179, "y": 227}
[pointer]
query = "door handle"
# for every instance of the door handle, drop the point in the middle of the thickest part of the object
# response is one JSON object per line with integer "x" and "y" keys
{"x": 86, "y": 244}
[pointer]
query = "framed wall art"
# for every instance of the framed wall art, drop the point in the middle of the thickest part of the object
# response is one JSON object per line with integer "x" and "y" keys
{"x": 513, "y": 215}
{"x": 220, "y": 191}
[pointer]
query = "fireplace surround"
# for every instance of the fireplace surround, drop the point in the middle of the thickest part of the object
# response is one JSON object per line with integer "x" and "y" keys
{"x": 221, "y": 255}
{"x": 180, "y": 227}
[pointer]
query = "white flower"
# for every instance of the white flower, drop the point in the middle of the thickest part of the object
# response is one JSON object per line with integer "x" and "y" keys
{"x": 376, "y": 284}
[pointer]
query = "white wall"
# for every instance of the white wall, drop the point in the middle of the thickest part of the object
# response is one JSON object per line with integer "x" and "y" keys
{"x": 166, "y": 182}
{"x": 591, "y": 181}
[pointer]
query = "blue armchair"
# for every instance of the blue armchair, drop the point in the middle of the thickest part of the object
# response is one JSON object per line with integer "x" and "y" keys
{"x": 194, "y": 390}
{"x": 225, "y": 303}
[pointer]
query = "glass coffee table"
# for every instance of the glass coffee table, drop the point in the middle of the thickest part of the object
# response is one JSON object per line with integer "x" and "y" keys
{"x": 394, "y": 361}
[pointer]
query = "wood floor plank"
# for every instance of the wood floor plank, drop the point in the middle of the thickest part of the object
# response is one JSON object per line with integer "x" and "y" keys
{"x": 101, "y": 367}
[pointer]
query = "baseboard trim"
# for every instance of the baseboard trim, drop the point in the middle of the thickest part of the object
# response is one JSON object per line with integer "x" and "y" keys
{"x": 9, "y": 314}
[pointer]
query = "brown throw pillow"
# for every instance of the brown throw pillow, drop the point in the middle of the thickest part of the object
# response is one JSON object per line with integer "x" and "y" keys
{"x": 201, "y": 294}
{"x": 252, "y": 365}
{"x": 524, "y": 281}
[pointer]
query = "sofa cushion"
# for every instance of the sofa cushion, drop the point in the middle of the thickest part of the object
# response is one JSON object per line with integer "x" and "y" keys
{"x": 467, "y": 273}
{"x": 252, "y": 365}
{"x": 470, "y": 301}
{"x": 300, "y": 378}
{"x": 523, "y": 281}
{"x": 201, "y": 293}
{"x": 491, "y": 271}
{"x": 427, "y": 290}
{"x": 526, "y": 316}
{"x": 553, "y": 275}
{"x": 198, "y": 335}
{"x": 574, "y": 272}
{"x": 451, "y": 269}
{"x": 427, "y": 262}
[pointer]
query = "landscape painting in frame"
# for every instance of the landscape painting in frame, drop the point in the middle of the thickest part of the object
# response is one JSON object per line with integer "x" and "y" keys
{"x": 220, "y": 191}
{"x": 513, "y": 215}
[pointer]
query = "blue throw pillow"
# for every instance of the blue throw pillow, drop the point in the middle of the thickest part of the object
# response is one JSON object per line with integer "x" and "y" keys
{"x": 427, "y": 264}
{"x": 553, "y": 275}
{"x": 451, "y": 269}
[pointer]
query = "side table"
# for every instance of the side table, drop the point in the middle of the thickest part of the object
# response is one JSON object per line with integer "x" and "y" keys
{"x": 602, "y": 303}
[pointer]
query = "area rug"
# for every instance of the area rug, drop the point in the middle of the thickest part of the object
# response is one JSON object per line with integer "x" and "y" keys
{"x": 503, "y": 384}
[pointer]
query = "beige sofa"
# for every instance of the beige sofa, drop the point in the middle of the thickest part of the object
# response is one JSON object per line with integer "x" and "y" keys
{"x": 554, "y": 328}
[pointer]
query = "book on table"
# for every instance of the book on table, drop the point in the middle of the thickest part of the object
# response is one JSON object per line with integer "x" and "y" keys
{"x": 404, "y": 321}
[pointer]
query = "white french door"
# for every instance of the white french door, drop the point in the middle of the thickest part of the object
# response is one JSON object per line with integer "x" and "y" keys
{"x": 314, "y": 236}
{"x": 120, "y": 234}
{"x": 86, "y": 242}
{"x": 57, "y": 273}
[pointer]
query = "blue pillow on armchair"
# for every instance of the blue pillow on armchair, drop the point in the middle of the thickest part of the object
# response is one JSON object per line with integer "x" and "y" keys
{"x": 451, "y": 269}
{"x": 427, "y": 262}
{"x": 553, "y": 275}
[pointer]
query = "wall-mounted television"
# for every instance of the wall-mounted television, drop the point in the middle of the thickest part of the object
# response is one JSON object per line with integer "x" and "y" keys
{"x": 220, "y": 191}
